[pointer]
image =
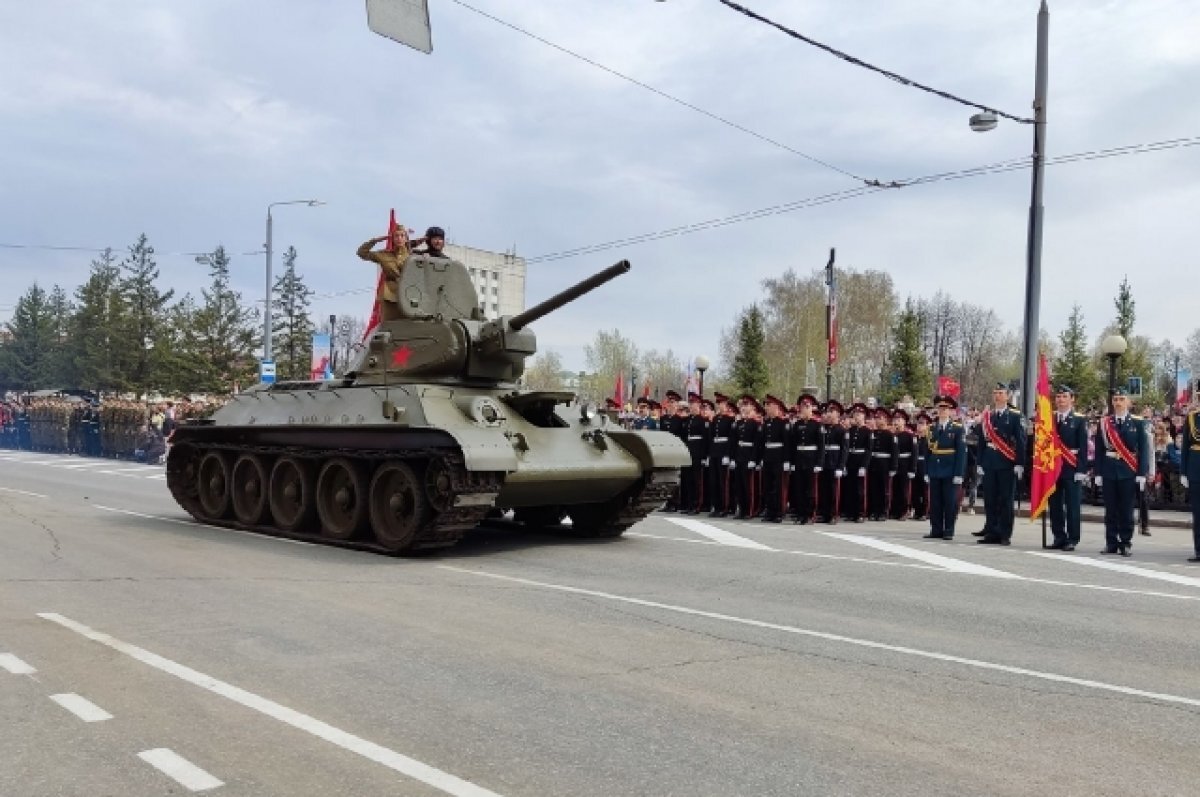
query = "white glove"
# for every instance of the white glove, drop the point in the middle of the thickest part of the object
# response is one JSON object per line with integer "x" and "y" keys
{"x": 817, "y": 469}
{"x": 751, "y": 465}
{"x": 704, "y": 462}
{"x": 979, "y": 470}
{"x": 1019, "y": 470}
{"x": 862, "y": 471}
{"x": 837, "y": 474}
{"x": 1081, "y": 477}
{"x": 912, "y": 475}
{"x": 957, "y": 480}
{"x": 1099, "y": 481}
{"x": 927, "y": 480}
{"x": 724, "y": 460}
{"x": 732, "y": 465}
{"x": 891, "y": 473}
{"x": 1183, "y": 481}
{"x": 787, "y": 466}
{"x": 1141, "y": 482}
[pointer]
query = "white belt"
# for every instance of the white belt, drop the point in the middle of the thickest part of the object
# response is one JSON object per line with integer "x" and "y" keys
{"x": 856, "y": 450}
{"x": 695, "y": 437}
{"x": 806, "y": 448}
{"x": 745, "y": 444}
{"x": 833, "y": 448}
{"x": 881, "y": 455}
{"x": 720, "y": 439}
{"x": 773, "y": 445}
{"x": 1112, "y": 455}
{"x": 905, "y": 456}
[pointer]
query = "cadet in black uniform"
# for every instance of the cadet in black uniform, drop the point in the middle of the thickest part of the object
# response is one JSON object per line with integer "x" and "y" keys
{"x": 1066, "y": 499}
{"x": 881, "y": 467}
{"x": 720, "y": 457}
{"x": 774, "y": 459}
{"x": 747, "y": 449}
{"x": 696, "y": 435}
{"x": 1121, "y": 462}
{"x": 854, "y": 489}
{"x": 1001, "y": 456}
{"x": 833, "y": 466}
{"x": 903, "y": 484}
{"x": 672, "y": 423}
{"x": 920, "y": 496}
{"x": 807, "y": 457}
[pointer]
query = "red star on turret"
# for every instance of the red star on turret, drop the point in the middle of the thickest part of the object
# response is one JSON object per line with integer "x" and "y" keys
{"x": 400, "y": 356}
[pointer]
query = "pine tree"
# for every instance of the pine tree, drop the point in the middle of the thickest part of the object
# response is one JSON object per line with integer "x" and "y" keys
{"x": 907, "y": 366}
{"x": 224, "y": 331}
{"x": 1074, "y": 367}
{"x": 749, "y": 366}
{"x": 291, "y": 326}
{"x": 27, "y": 361}
{"x": 145, "y": 304}
{"x": 96, "y": 328}
{"x": 1138, "y": 359}
{"x": 58, "y": 370}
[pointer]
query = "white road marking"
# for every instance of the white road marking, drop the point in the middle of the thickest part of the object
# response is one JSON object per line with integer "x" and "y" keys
{"x": 835, "y": 557}
{"x": 81, "y": 707}
{"x": 42, "y": 462}
{"x": 862, "y": 643}
{"x": 179, "y": 769}
{"x": 81, "y": 465}
{"x": 157, "y": 476}
{"x": 945, "y": 562}
{"x": 398, "y": 762}
{"x": 1144, "y": 572}
{"x": 717, "y": 534}
{"x": 193, "y": 524}
{"x": 138, "y": 469}
{"x": 22, "y": 492}
{"x": 14, "y": 665}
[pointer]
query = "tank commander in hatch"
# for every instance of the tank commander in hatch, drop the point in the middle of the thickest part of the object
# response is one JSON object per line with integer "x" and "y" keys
{"x": 434, "y": 241}
{"x": 391, "y": 260}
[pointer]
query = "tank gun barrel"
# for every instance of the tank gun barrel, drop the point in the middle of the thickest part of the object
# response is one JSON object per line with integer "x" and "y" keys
{"x": 570, "y": 294}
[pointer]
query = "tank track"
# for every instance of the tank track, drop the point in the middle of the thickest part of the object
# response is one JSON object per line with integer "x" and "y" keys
{"x": 446, "y": 529}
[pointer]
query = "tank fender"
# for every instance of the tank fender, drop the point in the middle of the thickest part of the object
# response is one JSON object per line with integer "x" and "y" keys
{"x": 652, "y": 449}
{"x": 485, "y": 449}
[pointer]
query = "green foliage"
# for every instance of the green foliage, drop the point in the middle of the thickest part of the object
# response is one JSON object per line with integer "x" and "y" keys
{"x": 749, "y": 371}
{"x": 96, "y": 328}
{"x": 291, "y": 325}
{"x": 1074, "y": 366}
{"x": 28, "y": 362}
{"x": 142, "y": 323}
{"x": 224, "y": 331}
{"x": 907, "y": 370}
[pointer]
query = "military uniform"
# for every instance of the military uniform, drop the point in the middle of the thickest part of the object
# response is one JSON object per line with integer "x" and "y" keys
{"x": 720, "y": 457}
{"x": 1001, "y": 454}
{"x": 807, "y": 453}
{"x": 854, "y": 488}
{"x": 905, "y": 470}
{"x": 747, "y": 458}
{"x": 775, "y": 462}
{"x": 1189, "y": 469}
{"x": 1121, "y": 462}
{"x": 920, "y": 493}
{"x": 881, "y": 467}
{"x": 696, "y": 435}
{"x": 945, "y": 468}
{"x": 1066, "y": 499}
{"x": 392, "y": 265}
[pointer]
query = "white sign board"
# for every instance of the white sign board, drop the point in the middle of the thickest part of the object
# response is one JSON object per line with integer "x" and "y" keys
{"x": 405, "y": 21}
{"x": 267, "y": 372}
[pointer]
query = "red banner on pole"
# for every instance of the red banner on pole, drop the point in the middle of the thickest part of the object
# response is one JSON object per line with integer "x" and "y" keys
{"x": 619, "y": 390}
{"x": 1047, "y": 448}
{"x": 377, "y": 309}
{"x": 948, "y": 386}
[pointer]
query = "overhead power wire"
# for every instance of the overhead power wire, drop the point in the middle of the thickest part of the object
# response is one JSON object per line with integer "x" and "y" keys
{"x": 859, "y": 62}
{"x": 690, "y": 106}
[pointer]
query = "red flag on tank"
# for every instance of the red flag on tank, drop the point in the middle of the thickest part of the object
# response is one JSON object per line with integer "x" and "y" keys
{"x": 376, "y": 309}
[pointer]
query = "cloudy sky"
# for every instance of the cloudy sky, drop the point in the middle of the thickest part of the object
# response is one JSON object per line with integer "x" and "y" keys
{"x": 183, "y": 120}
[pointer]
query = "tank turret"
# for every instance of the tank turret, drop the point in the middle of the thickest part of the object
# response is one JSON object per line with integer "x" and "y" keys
{"x": 442, "y": 336}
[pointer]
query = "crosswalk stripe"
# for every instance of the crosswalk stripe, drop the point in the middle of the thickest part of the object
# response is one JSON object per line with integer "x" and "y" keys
{"x": 956, "y": 565}
{"x": 1117, "y": 567}
{"x": 717, "y": 534}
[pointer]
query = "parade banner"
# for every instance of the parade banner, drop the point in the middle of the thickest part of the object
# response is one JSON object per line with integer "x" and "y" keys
{"x": 948, "y": 386}
{"x": 831, "y": 319}
{"x": 1047, "y": 448}
{"x": 322, "y": 356}
{"x": 619, "y": 390}
{"x": 1183, "y": 387}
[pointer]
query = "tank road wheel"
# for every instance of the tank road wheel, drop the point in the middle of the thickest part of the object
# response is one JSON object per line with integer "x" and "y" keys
{"x": 250, "y": 483}
{"x": 212, "y": 484}
{"x": 399, "y": 507}
{"x": 292, "y": 494}
{"x": 342, "y": 498}
{"x": 183, "y": 477}
{"x": 439, "y": 487}
{"x": 596, "y": 520}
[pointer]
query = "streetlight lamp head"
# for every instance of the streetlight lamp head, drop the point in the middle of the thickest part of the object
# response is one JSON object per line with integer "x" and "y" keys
{"x": 312, "y": 203}
{"x": 702, "y": 363}
{"x": 1113, "y": 346}
{"x": 983, "y": 121}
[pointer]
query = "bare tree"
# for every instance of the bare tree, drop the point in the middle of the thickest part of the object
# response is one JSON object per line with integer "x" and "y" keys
{"x": 545, "y": 372}
{"x": 609, "y": 354}
{"x": 659, "y": 371}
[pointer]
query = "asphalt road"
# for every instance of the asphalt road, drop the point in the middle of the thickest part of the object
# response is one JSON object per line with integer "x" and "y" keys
{"x": 687, "y": 658}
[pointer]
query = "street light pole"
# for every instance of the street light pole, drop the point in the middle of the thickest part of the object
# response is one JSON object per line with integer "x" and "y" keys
{"x": 1033, "y": 275}
{"x": 1112, "y": 347}
{"x": 267, "y": 350}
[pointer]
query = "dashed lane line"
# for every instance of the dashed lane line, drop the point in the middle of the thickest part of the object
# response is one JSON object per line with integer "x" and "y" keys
{"x": 22, "y": 492}
{"x": 179, "y": 769}
{"x": 979, "y": 664}
{"x": 1144, "y": 572}
{"x": 398, "y": 762}
{"x": 717, "y": 534}
{"x": 14, "y": 665}
{"x": 81, "y": 707}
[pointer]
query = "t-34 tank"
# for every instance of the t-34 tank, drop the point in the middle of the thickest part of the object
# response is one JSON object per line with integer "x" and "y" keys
{"x": 426, "y": 437}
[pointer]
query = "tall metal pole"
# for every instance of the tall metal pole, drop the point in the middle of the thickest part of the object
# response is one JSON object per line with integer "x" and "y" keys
{"x": 267, "y": 303}
{"x": 1033, "y": 275}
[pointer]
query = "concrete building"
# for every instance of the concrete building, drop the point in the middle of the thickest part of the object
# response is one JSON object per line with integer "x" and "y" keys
{"x": 499, "y": 278}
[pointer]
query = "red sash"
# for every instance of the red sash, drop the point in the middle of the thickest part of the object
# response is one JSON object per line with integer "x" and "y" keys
{"x": 1115, "y": 442}
{"x": 1001, "y": 445}
{"x": 1068, "y": 454}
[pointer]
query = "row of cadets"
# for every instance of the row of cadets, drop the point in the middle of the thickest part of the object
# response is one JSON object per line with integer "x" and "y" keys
{"x": 945, "y": 466}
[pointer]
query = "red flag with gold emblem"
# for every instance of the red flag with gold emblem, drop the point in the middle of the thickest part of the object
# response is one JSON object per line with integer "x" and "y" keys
{"x": 1047, "y": 448}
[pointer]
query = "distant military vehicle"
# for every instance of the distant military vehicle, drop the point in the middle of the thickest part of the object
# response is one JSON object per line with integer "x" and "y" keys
{"x": 425, "y": 438}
